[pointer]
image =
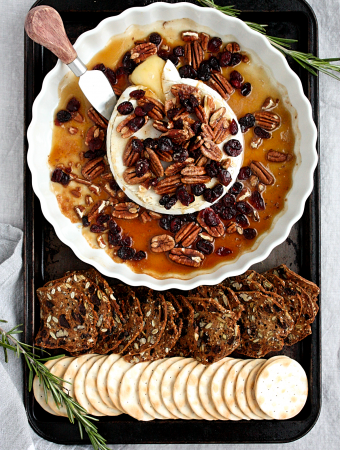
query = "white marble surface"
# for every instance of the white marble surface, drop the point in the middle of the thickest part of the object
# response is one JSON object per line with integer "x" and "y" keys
{"x": 326, "y": 433}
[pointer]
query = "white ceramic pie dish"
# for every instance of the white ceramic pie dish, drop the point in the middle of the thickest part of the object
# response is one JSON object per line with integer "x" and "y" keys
{"x": 88, "y": 44}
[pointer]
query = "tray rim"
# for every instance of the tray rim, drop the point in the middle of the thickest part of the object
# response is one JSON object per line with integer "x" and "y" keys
{"x": 30, "y": 261}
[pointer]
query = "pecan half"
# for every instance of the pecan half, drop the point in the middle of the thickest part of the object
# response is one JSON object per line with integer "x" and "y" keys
{"x": 145, "y": 217}
{"x": 211, "y": 150}
{"x": 201, "y": 114}
{"x": 267, "y": 120}
{"x": 142, "y": 51}
{"x": 255, "y": 142}
{"x": 208, "y": 105}
{"x": 187, "y": 234}
{"x": 231, "y": 228}
{"x": 160, "y": 126}
{"x": 130, "y": 176}
{"x": 232, "y": 47}
{"x": 157, "y": 112}
{"x": 128, "y": 210}
{"x": 164, "y": 156}
{"x": 205, "y": 38}
{"x": 162, "y": 243}
{"x": 207, "y": 132}
{"x": 262, "y": 173}
{"x": 155, "y": 215}
{"x": 275, "y": 156}
{"x": 186, "y": 256}
{"x": 201, "y": 161}
{"x": 184, "y": 91}
{"x": 222, "y": 130}
{"x": 217, "y": 116}
{"x": 97, "y": 208}
{"x": 168, "y": 185}
{"x": 125, "y": 121}
{"x": 130, "y": 157}
{"x": 107, "y": 188}
{"x": 225, "y": 164}
{"x": 76, "y": 193}
{"x": 197, "y": 54}
{"x": 97, "y": 118}
{"x": 195, "y": 179}
{"x": 269, "y": 103}
{"x": 189, "y": 36}
{"x": 127, "y": 132}
{"x": 155, "y": 164}
{"x": 80, "y": 211}
{"x": 215, "y": 231}
{"x": 221, "y": 85}
{"x": 93, "y": 133}
{"x": 93, "y": 168}
{"x": 193, "y": 171}
{"x": 178, "y": 166}
{"x": 177, "y": 136}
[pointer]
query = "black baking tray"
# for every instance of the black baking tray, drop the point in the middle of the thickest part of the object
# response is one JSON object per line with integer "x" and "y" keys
{"x": 46, "y": 257}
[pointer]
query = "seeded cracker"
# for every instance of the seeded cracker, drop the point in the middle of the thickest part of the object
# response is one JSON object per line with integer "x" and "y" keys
{"x": 107, "y": 325}
{"x": 67, "y": 319}
{"x": 182, "y": 347}
{"x": 130, "y": 307}
{"x": 264, "y": 324}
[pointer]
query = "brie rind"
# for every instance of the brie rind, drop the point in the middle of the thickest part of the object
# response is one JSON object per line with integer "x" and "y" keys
{"x": 116, "y": 145}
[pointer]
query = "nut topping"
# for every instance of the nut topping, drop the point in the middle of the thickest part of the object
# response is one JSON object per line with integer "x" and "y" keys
{"x": 130, "y": 157}
{"x": 128, "y": 210}
{"x": 130, "y": 176}
{"x": 205, "y": 38}
{"x": 186, "y": 256}
{"x": 267, "y": 120}
{"x": 93, "y": 168}
{"x": 189, "y": 36}
{"x": 162, "y": 243}
{"x": 221, "y": 85}
{"x": 232, "y": 47}
{"x": 80, "y": 211}
{"x": 97, "y": 208}
{"x": 217, "y": 116}
{"x": 269, "y": 103}
{"x": 211, "y": 150}
{"x": 177, "y": 167}
{"x": 211, "y": 222}
{"x": 231, "y": 228}
{"x": 155, "y": 163}
{"x": 97, "y": 118}
{"x": 168, "y": 185}
{"x": 101, "y": 242}
{"x": 262, "y": 173}
{"x": 275, "y": 156}
{"x": 142, "y": 51}
{"x": 187, "y": 234}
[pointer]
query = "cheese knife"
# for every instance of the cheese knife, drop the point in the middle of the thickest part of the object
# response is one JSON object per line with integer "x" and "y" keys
{"x": 44, "y": 26}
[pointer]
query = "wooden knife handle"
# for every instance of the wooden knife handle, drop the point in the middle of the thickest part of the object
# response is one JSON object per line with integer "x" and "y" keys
{"x": 44, "y": 26}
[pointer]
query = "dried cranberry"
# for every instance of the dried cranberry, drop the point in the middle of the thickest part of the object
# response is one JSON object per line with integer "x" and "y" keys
{"x": 198, "y": 189}
{"x": 249, "y": 233}
{"x": 126, "y": 253}
{"x": 115, "y": 239}
{"x": 236, "y": 84}
{"x": 150, "y": 143}
{"x": 229, "y": 200}
{"x": 204, "y": 71}
{"x": 97, "y": 228}
{"x": 214, "y": 44}
{"x": 224, "y": 177}
{"x": 142, "y": 166}
{"x": 235, "y": 75}
{"x": 228, "y": 213}
{"x": 236, "y": 188}
{"x": 139, "y": 256}
{"x": 114, "y": 227}
{"x": 208, "y": 196}
{"x": 233, "y": 127}
{"x": 245, "y": 89}
{"x": 164, "y": 223}
{"x": 246, "y": 122}
{"x": 137, "y": 94}
{"x": 223, "y": 251}
{"x": 125, "y": 108}
{"x": 263, "y": 134}
{"x": 165, "y": 144}
{"x": 244, "y": 208}
{"x": 121, "y": 72}
{"x": 128, "y": 63}
{"x": 184, "y": 196}
{"x": 180, "y": 155}
{"x": 102, "y": 218}
{"x": 139, "y": 111}
{"x": 113, "y": 185}
{"x": 214, "y": 63}
{"x": 244, "y": 173}
{"x": 213, "y": 168}
{"x": 189, "y": 217}
{"x": 111, "y": 76}
{"x": 172, "y": 113}
{"x": 100, "y": 67}
{"x": 91, "y": 154}
{"x": 85, "y": 221}
{"x": 196, "y": 127}
{"x": 95, "y": 144}
{"x": 186, "y": 103}
{"x": 187, "y": 72}
{"x": 257, "y": 201}
{"x": 164, "y": 54}
{"x": 73, "y": 105}
{"x": 193, "y": 100}
{"x": 233, "y": 147}
{"x": 178, "y": 124}
{"x": 137, "y": 145}
{"x": 136, "y": 123}
{"x": 172, "y": 201}
{"x": 155, "y": 38}
{"x": 210, "y": 218}
{"x": 217, "y": 190}
{"x": 242, "y": 220}
{"x": 175, "y": 225}
{"x": 218, "y": 207}
{"x": 179, "y": 51}
{"x": 58, "y": 176}
{"x": 63, "y": 116}
{"x": 225, "y": 58}
{"x": 205, "y": 247}
{"x": 127, "y": 241}
{"x": 236, "y": 58}
{"x": 174, "y": 59}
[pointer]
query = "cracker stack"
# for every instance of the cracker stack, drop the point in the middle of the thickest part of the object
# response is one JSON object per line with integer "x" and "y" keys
{"x": 181, "y": 388}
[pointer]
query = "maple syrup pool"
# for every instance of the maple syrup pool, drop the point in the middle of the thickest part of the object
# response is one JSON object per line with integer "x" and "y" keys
{"x": 68, "y": 151}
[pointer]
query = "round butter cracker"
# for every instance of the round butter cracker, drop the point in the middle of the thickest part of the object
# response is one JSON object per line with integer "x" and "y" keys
{"x": 114, "y": 379}
{"x": 180, "y": 391}
{"x": 79, "y": 386}
{"x": 229, "y": 391}
{"x": 102, "y": 378}
{"x": 144, "y": 389}
{"x": 192, "y": 393}
{"x": 217, "y": 387}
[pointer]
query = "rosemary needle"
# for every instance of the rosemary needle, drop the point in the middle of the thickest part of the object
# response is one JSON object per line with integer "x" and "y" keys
{"x": 53, "y": 384}
{"x": 308, "y": 61}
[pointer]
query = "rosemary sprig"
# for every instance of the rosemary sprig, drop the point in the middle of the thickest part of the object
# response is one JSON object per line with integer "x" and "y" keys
{"x": 53, "y": 384}
{"x": 308, "y": 61}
